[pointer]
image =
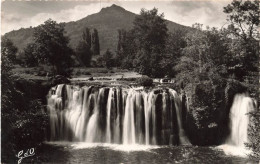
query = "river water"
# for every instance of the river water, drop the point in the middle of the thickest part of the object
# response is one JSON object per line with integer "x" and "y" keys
{"x": 70, "y": 152}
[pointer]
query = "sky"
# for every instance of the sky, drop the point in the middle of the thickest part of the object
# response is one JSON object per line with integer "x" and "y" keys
{"x": 18, "y": 14}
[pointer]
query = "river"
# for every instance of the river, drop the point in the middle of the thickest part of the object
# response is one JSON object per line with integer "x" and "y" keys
{"x": 73, "y": 152}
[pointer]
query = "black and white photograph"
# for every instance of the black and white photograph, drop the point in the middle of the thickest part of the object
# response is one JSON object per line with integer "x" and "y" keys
{"x": 129, "y": 82}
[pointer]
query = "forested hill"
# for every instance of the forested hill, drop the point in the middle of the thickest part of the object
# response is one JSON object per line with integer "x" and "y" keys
{"x": 107, "y": 22}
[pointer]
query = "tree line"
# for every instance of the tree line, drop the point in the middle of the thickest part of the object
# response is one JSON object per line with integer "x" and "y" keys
{"x": 50, "y": 46}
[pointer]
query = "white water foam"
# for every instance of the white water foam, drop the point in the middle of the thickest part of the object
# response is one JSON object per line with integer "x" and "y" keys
{"x": 118, "y": 147}
{"x": 234, "y": 150}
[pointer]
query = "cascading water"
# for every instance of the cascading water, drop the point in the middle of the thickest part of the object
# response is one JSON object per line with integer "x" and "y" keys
{"x": 115, "y": 115}
{"x": 239, "y": 119}
{"x": 109, "y": 106}
{"x": 129, "y": 128}
{"x": 183, "y": 138}
{"x": 147, "y": 108}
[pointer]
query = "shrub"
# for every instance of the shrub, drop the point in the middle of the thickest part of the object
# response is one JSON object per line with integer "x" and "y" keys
{"x": 23, "y": 129}
{"x": 145, "y": 81}
{"x": 254, "y": 134}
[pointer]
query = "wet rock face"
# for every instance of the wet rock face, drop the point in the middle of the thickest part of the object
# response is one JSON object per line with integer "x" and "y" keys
{"x": 116, "y": 115}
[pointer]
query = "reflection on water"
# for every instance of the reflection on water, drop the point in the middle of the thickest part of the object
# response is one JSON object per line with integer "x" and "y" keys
{"x": 62, "y": 152}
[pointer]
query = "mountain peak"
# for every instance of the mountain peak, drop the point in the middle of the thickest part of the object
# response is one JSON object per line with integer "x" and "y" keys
{"x": 107, "y": 22}
{"x": 113, "y": 7}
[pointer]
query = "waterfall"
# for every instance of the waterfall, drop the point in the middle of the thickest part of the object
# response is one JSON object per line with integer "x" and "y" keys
{"x": 115, "y": 115}
{"x": 84, "y": 115}
{"x": 239, "y": 120}
{"x": 147, "y": 107}
{"x": 129, "y": 128}
{"x": 109, "y": 106}
{"x": 178, "y": 106}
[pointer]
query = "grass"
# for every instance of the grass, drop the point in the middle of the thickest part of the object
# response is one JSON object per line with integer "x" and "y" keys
{"x": 78, "y": 73}
{"x": 37, "y": 73}
{"x": 81, "y": 76}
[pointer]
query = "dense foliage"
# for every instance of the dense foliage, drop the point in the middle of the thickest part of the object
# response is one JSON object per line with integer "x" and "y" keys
{"x": 254, "y": 134}
{"x": 83, "y": 50}
{"x": 52, "y": 47}
{"x": 22, "y": 117}
{"x": 106, "y": 60}
{"x": 95, "y": 48}
{"x": 145, "y": 81}
{"x": 210, "y": 62}
{"x": 244, "y": 20}
{"x": 30, "y": 55}
{"x": 142, "y": 47}
{"x": 8, "y": 50}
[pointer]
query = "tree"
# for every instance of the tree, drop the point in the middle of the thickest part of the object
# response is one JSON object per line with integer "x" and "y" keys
{"x": 52, "y": 47}
{"x": 84, "y": 53}
{"x": 120, "y": 41}
{"x": 243, "y": 17}
{"x": 8, "y": 50}
{"x": 21, "y": 115}
{"x": 30, "y": 55}
{"x": 121, "y": 47}
{"x": 150, "y": 36}
{"x": 8, "y": 93}
{"x": 107, "y": 59}
{"x": 203, "y": 58}
{"x": 127, "y": 50}
{"x": 150, "y": 30}
{"x": 95, "y": 43}
{"x": 86, "y": 36}
{"x": 83, "y": 50}
{"x": 175, "y": 44}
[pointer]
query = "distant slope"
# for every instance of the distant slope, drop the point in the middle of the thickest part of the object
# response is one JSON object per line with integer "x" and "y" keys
{"x": 107, "y": 22}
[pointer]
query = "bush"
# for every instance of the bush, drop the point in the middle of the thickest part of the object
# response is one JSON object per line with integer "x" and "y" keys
{"x": 22, "y": 115}
{"x": 23, "y": 130}
{"x": 254, "y": 134}
{"x": 24, "y": 121}
{"x": 145, "y": 81}
{"x": 207, "y": 113}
